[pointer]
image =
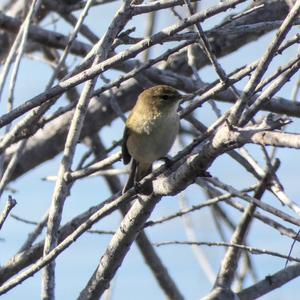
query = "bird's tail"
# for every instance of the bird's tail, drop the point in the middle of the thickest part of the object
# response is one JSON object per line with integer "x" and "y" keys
{"x": 138, "y": 172}
{"x": 142, "y": 171}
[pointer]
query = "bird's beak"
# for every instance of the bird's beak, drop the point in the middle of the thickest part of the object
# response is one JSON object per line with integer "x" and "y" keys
{"x": 187, "y": 97}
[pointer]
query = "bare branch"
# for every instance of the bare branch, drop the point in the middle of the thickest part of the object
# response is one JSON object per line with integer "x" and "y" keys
{"x": 270, "y": 283}
{"x": 8, "y": 207}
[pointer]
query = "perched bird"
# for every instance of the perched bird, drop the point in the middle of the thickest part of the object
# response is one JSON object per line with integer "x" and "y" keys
{"x": 150, "y": 131}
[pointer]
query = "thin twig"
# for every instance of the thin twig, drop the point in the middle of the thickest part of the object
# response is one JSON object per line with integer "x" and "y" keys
{"x": 264, "y": 63}
{"x": 252, "y": 250}
{"x": 8, "y": 207}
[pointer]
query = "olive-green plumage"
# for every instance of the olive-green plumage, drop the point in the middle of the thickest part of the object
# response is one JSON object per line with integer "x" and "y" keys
{"x": 150, "y": 130}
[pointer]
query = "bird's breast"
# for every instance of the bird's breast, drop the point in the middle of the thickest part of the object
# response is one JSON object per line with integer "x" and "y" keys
{"x": 151, "y": 139}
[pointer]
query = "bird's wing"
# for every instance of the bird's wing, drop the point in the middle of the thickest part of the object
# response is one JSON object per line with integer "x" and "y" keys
{"x": 125, "y": 153}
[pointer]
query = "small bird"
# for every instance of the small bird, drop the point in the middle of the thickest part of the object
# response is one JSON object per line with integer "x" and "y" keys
{"x": 150, "y": 131}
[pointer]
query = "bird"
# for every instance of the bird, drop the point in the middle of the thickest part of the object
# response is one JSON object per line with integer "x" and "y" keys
{"x": 150, "y": 131}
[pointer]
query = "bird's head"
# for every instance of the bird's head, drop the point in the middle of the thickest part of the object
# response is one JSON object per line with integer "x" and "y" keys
{"x": 161, "y": 97}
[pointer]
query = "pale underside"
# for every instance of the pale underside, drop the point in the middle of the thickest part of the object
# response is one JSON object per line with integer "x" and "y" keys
{"x": 152, "y": 139}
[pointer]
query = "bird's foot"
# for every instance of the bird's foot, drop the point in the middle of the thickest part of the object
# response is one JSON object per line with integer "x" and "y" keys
{"x": 145, "y": 189}
{"x": 204, "y": 173}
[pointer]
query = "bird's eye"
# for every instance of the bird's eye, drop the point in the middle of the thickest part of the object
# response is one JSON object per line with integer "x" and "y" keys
{"x": 165, "y": 97}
